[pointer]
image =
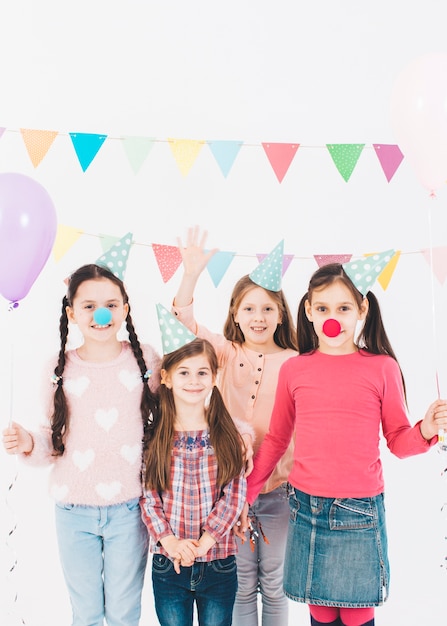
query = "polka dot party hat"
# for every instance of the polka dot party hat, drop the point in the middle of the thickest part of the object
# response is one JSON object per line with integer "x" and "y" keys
{"x": 174, "y": 334}
{"x": 115, "y": 259}
{"x": 268, "y": 274}
{"x": 364, "y": 272}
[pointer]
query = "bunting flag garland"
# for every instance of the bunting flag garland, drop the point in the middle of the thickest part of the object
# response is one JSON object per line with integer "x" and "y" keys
{"x": 168, "y": 260}
{"x": 345, "y": 157}
{"x": 107, "y": 241}
{"x": 37, "y": 143}
{"x": 218, "y": 265}
{"x": 115, "y": 259}
{"x": 225, "y": 153}
{"x": 325, "y": 259}
{"x": 66, "y": 237}
{"x": 86, "y": 146}
{"x": 185, "y": 153}
{"x": 439, "y": 257}
{"x": 385, "y": 276}
{"x": 390, "y": 157}
{"x": 280, "y": 156}
{"x": 137, "y": 150}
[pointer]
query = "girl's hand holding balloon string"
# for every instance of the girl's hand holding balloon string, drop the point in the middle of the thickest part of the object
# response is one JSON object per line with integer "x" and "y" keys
{"x": 434, "y": 420}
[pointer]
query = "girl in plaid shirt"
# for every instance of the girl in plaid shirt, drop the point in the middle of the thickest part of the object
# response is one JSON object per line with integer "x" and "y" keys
{"x": 194, "y": 491}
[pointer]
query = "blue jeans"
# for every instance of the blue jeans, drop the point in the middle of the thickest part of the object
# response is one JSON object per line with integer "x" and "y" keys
{"x": 337, "y": 551}
{"x": 261, "y": 571}
{"x": 103, "y": 552}
{"x": 212, "y": 586}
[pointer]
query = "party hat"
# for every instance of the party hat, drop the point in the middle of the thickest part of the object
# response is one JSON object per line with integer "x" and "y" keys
{"x": 115, "y": 259}
{"x": 174, "y": 334}
{"x": 364, "y": 272}
{"x": 268, "y": 274}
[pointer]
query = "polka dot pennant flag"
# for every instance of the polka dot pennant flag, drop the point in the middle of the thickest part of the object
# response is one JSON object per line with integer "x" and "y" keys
{"x": 268, "y": 274}
{"x": 345, "y": 157}
{"x": 364, "y": 272}
{"x": 115, "y": 259}
{"x": 174, "y": 334}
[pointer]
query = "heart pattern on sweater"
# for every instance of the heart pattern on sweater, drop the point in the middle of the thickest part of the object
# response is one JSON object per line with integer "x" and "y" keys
{"x": 129, "y": 379}
{"x": 83, "y": 459}
{"x": 106, "y": 418}
{"x": 76, "y": 386}
{"x": 59, "y": 492}
{"x": 131, "y": 453}
{"x": 107, "y": 491}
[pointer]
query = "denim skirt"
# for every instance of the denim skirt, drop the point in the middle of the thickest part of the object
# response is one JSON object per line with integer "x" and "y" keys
{"x": 336, "y": 551}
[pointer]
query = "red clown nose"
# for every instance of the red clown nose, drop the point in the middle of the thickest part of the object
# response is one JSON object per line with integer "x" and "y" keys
{"x": 331, "y": 328}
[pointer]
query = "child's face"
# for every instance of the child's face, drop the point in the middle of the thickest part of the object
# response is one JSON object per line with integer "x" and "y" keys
{"x": 94, "y": 294}
{"x": 191, "y": 380}
{"x": 258, "y": 316}
{"x": 335, "y": 302}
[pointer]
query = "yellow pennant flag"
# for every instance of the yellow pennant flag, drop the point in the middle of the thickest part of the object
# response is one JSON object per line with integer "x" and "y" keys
{"x": 185, "y": 152}
{"x": 37, "y": 143}
{"x": 66, "y": 237}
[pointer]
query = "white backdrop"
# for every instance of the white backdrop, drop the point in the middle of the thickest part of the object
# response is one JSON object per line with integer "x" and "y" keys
{"x": 255, "y": 71}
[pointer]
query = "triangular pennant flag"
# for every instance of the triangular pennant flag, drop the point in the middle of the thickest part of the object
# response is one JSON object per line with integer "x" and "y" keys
{"x": 107, "y": 241}
{"x": 174, "y": 334}
{"x": 218, "y": 265}
{"x": 115, "y": 259}
{"x": 268, "y": 273}
{"x": 137, "y": 150}
{"x": 345, "y": 156}
{"x": 66, "y": 237}
{"x": 168, "y": 260}
{"x": 225, "y": 153}
{"x": 185, "y": 152}
{"x": 385, "y": 277}
{"x": 37, "y": 143}
{"x": 364, "y": 272}
{"x": 438, "y": 258}
{"x": 2, "y": 130}
{"x": 390, "y": 157}
{"x": 87, "y": 146}
{"x": 325, "y": 259}
{"x": 286, "y": 260}
{"x": 280, "y": 156}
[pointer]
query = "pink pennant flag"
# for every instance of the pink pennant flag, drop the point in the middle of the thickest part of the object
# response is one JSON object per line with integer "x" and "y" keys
{"x": 2, "y": 130}
{"x": 286, "y": 260}
{"x": 280, "y": 156}
{"x": 437, "y": 256}
{"x": 325, "y": 259}
{"x": 168, "y": 260}
{"x": 390, "y": 157}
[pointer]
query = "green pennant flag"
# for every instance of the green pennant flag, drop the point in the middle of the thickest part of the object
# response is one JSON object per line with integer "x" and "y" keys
{"x": 345, "y": 156}
{"x": 137, "y": 150}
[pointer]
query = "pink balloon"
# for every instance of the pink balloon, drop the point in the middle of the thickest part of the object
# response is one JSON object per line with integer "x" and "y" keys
{"x": 419, "y": 118}
{"x": 28, "y": 227}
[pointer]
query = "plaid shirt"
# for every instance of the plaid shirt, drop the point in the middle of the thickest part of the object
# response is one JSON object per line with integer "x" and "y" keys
{"x": 194, "y": 504}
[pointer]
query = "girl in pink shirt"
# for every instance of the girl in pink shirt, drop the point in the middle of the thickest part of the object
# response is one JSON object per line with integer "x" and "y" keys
{"x": 99, "y": 401}
{"x": 334, "y": 398}
{"x": 258, "y": 337}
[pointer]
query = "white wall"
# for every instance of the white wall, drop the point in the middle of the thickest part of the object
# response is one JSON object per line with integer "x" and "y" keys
{"x": 314, "y": 73}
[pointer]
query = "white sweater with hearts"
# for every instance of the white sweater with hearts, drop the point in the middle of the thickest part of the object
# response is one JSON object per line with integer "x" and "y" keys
{"x": 102, "y": 461}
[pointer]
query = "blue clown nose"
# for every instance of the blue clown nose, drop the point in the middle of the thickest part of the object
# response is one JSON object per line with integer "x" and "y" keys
{"x": 102, "y": 316}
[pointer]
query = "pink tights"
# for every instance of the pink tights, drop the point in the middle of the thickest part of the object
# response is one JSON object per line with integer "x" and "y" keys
{"x": 349, "y": 617}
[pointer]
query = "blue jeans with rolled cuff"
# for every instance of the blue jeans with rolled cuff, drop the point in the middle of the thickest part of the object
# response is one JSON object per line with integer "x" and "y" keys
{"x": 210, "y": 585}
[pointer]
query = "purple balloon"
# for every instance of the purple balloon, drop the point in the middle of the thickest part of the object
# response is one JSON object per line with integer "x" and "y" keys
{"x": 28, "y": 226}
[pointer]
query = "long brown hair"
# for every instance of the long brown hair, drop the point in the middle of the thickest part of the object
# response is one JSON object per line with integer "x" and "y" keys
{"x": 284, "y": 336}
{"x": 224, "y": 436}
{"x": 372, "y": 337}
{"x": 60, "y": 416}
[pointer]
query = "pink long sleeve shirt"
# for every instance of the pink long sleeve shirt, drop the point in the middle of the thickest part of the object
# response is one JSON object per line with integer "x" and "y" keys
{"x": 247, "y": 381}
{"x": 101, "y": 464}
{"x": 337, "y": 406}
